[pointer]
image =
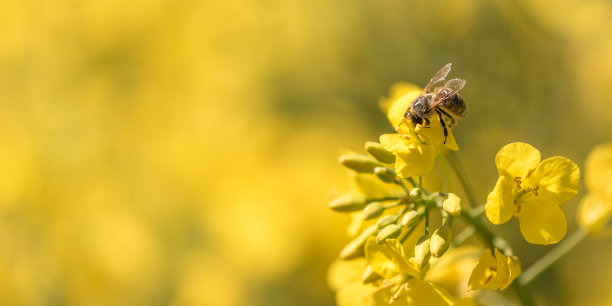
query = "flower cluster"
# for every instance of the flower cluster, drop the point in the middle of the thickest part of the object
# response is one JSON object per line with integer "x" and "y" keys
{"x": 406, "y": 249}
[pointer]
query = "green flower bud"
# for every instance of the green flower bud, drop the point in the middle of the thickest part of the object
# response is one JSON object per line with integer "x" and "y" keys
{"x": 348, "y": 202}
{"x": 416, "y": 193}
{"x": 386, "y": 220}
{"x": 369, "y": 275}
{"x": 452, "y": 204}
{"x": 411, "y": 219}
{"x": 385, "y": 174}
{"x": 372, "y": 210}
{"x": 354, "y": 248}
{"x": 379, "y": 152}
{"x": 359, "y": 163}
{"x": 421, "y": 251}
{"x": 440, "y": 241}
{"x": 388, "y": 232}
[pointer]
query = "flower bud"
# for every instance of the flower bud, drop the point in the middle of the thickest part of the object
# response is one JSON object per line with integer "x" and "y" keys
{"x": 372, "y": 210}
{"x": 348, "y": 202}
{"x": 354, "y": 248}
{"x": 440, "y": 241}
{"x": 411, "y": 219}
{"x": 388, "y": 232}
{"x": 379, "y": 152}
{"x": 386, "y": 220}
{"x": 369, "y": 275}
{"x": 359, "y": 163}
{"x": 385, "y": 174}
{"x": 452, "y": 204}
{"x": 421, "y": 251}
{"x": 415, "y": 193}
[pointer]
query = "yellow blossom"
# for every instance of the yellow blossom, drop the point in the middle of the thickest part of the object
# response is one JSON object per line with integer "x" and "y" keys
{"x": 398, "y": 280}
{"x": 532, "y": 191}
{"x": 494, "y": 272}
{"x": 403, "y": 284}
{"x": 595, "y": 208}
{"x": 415, "y": 147}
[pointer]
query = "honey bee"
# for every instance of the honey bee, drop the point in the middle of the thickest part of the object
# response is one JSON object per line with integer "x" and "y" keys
{"x": 443, "y": 101}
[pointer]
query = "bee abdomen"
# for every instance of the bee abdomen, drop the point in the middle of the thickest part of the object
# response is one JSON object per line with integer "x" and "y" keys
{"x": 456, "y": 106}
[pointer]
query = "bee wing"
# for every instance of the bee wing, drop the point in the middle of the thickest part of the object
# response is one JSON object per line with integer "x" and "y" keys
{"x": 450, "y": 88}
{"x": 438, "y": 77}
{"x": 453, "y": 86}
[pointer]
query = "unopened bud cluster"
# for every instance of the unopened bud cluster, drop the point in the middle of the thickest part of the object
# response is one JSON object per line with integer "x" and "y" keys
{"x": 395, "y": 217}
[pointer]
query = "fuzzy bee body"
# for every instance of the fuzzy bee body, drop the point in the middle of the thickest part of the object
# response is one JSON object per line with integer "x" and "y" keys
{"x": 443, "y": 101}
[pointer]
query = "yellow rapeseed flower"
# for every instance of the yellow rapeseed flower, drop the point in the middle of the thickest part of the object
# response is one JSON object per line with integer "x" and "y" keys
{"x": 595, "y": 208}
{"x": 403, "y": 284}
{"x": 415, "y": 147}
{"x": 532, "y": 191}
{"x": 493, "y": 273}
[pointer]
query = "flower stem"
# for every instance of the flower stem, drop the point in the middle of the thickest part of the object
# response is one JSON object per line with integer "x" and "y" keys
{"x": 401, "y": 184}
{"x": 464, "y": 235}
{"x": 551, "y": 257}
{"x": 458, "y": 169}
{"x": 446, "y": 183}
{"x": 412, "y": 182}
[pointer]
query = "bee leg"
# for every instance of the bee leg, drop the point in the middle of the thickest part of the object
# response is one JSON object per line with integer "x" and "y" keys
{"x": 451, "y": 118}
{"x": 426, "y": 125}
{"x": 443, "y": 125}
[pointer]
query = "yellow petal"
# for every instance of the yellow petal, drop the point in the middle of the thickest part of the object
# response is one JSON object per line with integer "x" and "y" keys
{"x": 484, "y": 275}
{"x": 388, "y": 259}
{"x": 400, "y": 102}
{"x": 451, "y": 143}
{"x": 593, "y": 213}
{"x": 343, "y": 272}
{"x": 557, "y": 178}
{"x": 422, "y": 293}
{"x": 515, "y": 269}
{"x": 516, "y": 159}
{"x": 503, "y": 270}
{"x": 413, "y": 159}
{"x": 452, "y": 271}
{"x": 434, "y": 134}
{"x": 542, "y": 222}
{"x": 598, "y": 171}
{"x": 500, "y": 202}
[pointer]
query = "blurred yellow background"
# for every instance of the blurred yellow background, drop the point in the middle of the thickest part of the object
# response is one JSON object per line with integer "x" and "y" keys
{"x": 183, "y": 152}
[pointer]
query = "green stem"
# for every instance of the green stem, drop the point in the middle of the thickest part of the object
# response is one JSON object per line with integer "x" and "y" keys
{"x": 523, "y": 294}
{"x": 458, "y": 169}
{"x": 446, "y": 184}
{"x": 426, "y": 219}
{"x": 464, "y": 235}
{"x": 401, "y": 184}
{"x": 478, "y": 211}
{"x": 551, "y": 257}
{"x": 383, "y": 199}
{"x": 485, "y": 234}
{"x": 412, "y": 182}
